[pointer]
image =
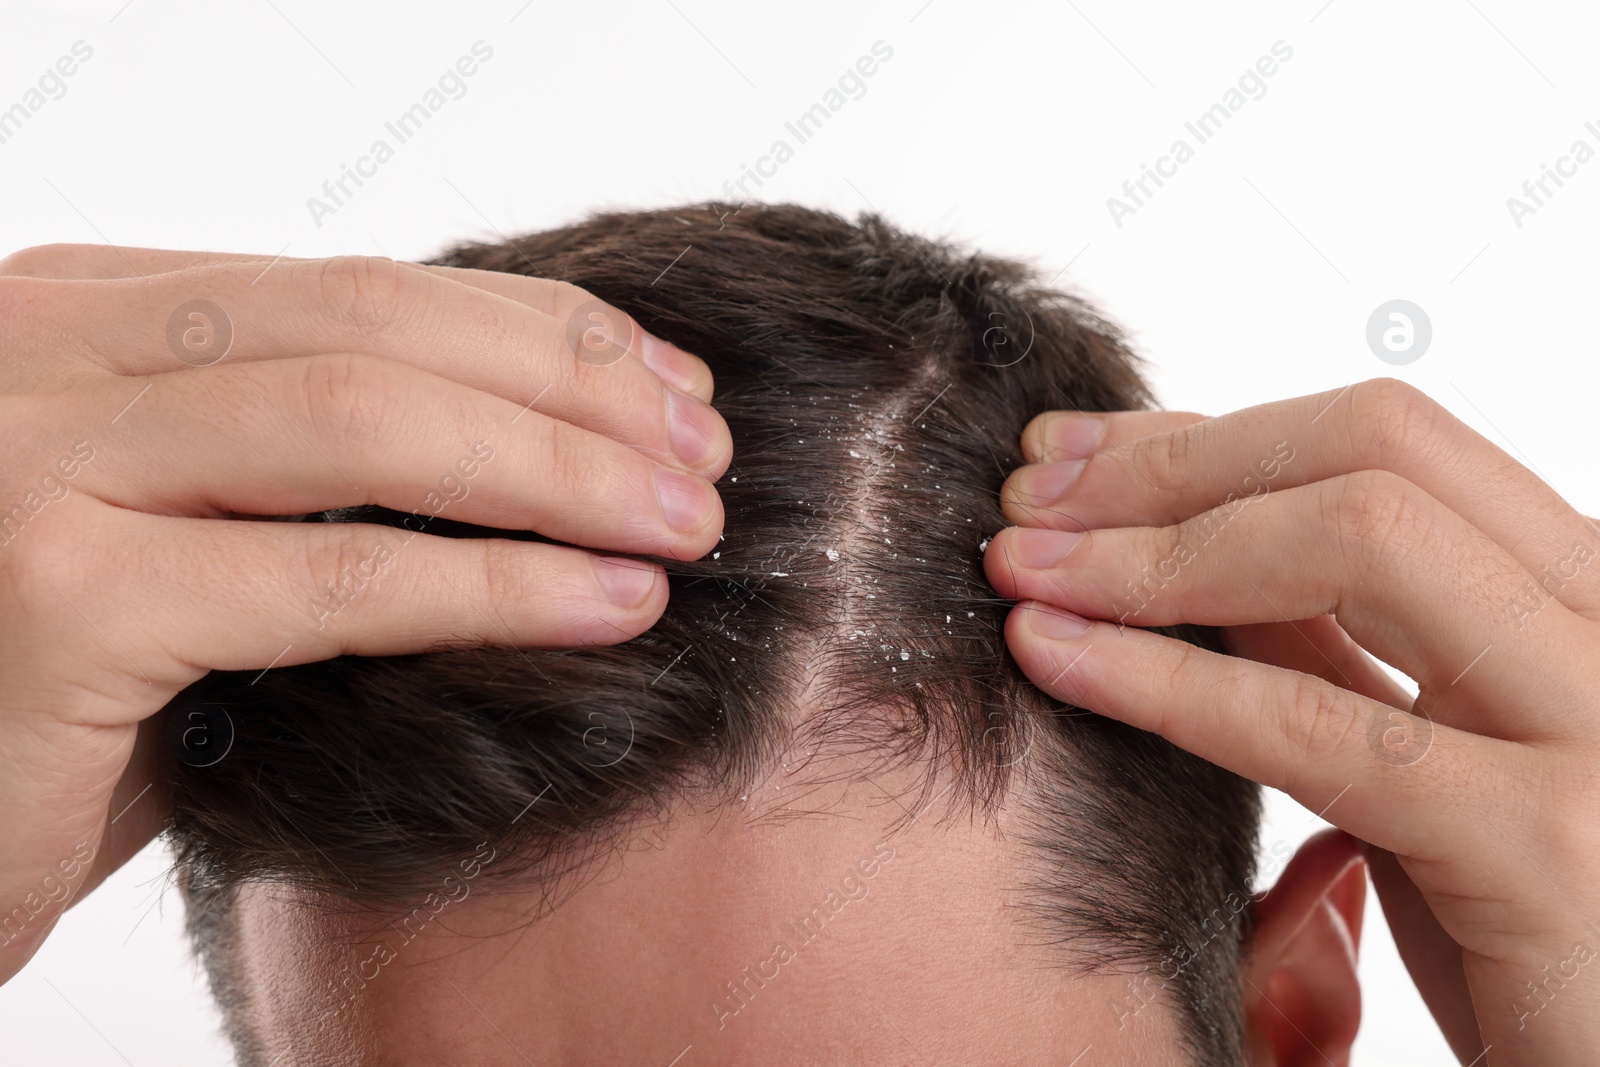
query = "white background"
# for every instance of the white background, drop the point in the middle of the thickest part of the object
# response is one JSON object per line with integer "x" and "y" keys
{"x": 1376, "y": 166}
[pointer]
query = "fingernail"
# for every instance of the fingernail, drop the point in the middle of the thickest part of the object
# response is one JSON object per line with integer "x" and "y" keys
{"x": 1044, "y": 482}
{"x": 1071, "y": 436}
{"x": 685, "y": 499}
{"x": 671, "y": 363}
{"x": 1040, "y": 550}
{"x": 626, "y": 581}
{"x": 1056, "y": 623}
{"x": 695, "y": 428}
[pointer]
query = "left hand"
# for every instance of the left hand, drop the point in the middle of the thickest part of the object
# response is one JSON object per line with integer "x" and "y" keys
{"x": 1367, "y": 518}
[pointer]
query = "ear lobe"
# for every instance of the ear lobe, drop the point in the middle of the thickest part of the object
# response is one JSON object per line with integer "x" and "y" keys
{"x": 1303, "y": 1001}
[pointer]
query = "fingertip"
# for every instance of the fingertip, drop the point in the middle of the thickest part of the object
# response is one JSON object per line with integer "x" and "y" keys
{"x": 704, "y": 540}
{"x": 1033, "y": 440}
{"x": 998, "y": 566}
{"x": 1062, "y": 435}
{"x": 633, "y": 593}
{"x": 690, "y": 505}
{"x": 1040, "y": 549}
{"x": 1017, "y": 510}
{"x": 1030, "y": 495}
{"x": 724, "y": 457}
{"x": 1040, "y": 485}
{"x": 699, "y": 435}
{"x": 1051, "y": 623}
{"x": 627, "y": 583}
{"x": 1049, "y": 660}
{"x": 679, "y": 369}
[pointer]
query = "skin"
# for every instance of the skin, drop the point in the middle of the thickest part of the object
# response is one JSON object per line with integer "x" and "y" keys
{"x": 1394, "y": 530}
{"x": 918, "y": 958}
{"x": 918, "y": 961}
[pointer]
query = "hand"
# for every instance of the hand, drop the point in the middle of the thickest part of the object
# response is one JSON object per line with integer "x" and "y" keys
{"x": 1314, "y": 529}
{"x": 133, "y": 423}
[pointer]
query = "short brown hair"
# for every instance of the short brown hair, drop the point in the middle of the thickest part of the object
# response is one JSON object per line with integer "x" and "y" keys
{"x": 876, "y": 385}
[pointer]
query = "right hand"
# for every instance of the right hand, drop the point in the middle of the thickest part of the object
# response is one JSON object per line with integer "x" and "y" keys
{"x": 142, "y": 448}
{"x": 1330, "y": 535}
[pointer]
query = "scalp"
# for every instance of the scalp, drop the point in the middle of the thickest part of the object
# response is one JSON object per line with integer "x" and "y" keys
{"x": 876, "y": 386}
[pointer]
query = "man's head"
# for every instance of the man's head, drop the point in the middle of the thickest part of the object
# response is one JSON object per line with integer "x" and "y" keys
{"x": 818, "y": 782}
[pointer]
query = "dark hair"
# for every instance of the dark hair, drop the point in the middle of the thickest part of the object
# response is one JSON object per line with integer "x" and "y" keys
{"x": 876, "y": 386}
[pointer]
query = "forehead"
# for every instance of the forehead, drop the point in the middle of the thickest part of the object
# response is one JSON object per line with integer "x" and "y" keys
{"x": 743, "y": 935}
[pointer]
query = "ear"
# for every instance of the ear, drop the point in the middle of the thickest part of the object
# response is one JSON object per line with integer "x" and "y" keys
{"x": 1303, "y": 1002}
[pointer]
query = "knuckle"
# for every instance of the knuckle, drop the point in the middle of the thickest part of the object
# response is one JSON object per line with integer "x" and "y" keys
{"x": 572, "y": 468}
{"x": 1165, "y": 551}
{"x": 334, "y": 561}
{"x": 1165, "y": 459}
{"x": 349, "y": 396}
{"x": 1395, "y": 420}
{"x": 506, "y": 579}
{"x": 1319, "y": 721}
{"x": 632, "y": 396}
{"x": 1189, "y": 670}
{"x": 1376, "y": 513}
{"x": 366, "y": 293}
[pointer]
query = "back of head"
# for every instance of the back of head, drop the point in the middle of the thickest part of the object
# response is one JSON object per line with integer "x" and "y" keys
{"x": 876, "y": 386}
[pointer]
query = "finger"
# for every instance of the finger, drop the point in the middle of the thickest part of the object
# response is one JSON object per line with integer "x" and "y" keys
{"x": 1432, "y": 957}
{"x": 295, "y": 436}
{"x": 1332, "y": 750}
{"x": 82, "y": 262}
{"x": 587, "y": 369}
{"x": 1408, "y": 578}
{"x": 563, "y": 302}
{"x": 220, "y": 594}
{"x": 554, "y": 298}
{"x": 1318, "y": 646}
{"x": 1063, "y": 436}
{"x": 1161, "y": 478}
{"x": 139, "y": 805}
